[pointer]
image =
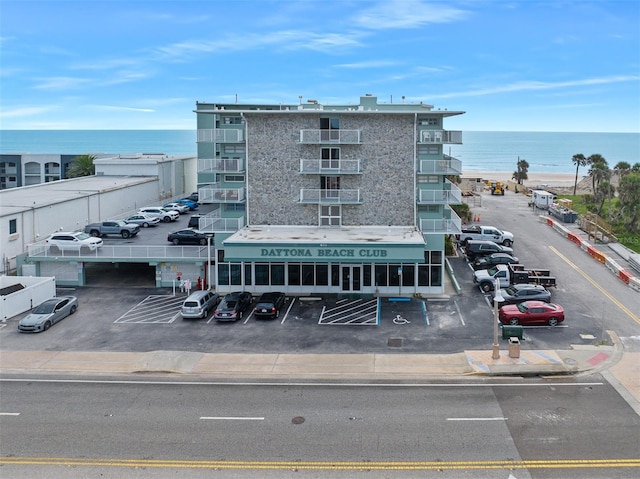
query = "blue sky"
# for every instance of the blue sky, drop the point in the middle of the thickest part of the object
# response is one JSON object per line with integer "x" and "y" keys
{"x": 511, "y": 65}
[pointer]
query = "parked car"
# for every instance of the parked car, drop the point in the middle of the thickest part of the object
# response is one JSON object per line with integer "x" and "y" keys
{"x": 179, "y": 207}
{"x": 142, "y": 219}
{"x": 530, "y": 313}
{"x": 233, "y": 306}
{"x": 476, "y": 248}
{"x": 486, "y": 262}
{"x": 194, "y": 221}
{"x": 48, "y": 313}
{"x": 193, "y": 196}
{"x": 199, "y": 304}
{"x": 517, "y": 293}
{"x": 269, "y": 305}
{"x": 73, "y": 241}
{"x": 117, "y": 227}
{"x": 193, "y": 205}
{"x": 188, "y": 236}
{"x": 160, "y": 213}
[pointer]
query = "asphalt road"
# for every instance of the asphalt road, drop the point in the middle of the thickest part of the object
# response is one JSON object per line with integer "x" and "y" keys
{"x": 526, "y": 428}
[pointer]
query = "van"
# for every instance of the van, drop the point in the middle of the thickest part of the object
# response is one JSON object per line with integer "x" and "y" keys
{"x": 199, "y": 304}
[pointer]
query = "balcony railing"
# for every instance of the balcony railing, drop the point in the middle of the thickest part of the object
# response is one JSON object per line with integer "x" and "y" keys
{"x": 218, "y": 135}
{"x": 316, "y": 137}
{"x": 220, "y": 195}
{"x": 223, "y": 165}
{"x": 450, "y": 195}
{"x": 450, "y": 225}
{"x": 446, "y": 166}
{"x": 331, "y": 197}
{"x": 440, "y": 136}
{"x": 217, "y": 224}
{"x": 329, "y": 167}
{"x": 122, "y": 251}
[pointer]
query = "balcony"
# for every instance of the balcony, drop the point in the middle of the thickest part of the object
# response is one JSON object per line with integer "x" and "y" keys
{"x": 224, "y": 165}
{"x": 220, "y": 225}
{"x": 40, "y": 250}
{"x": 446, "y": 166}
{"x": 435, "y": 137}
{"x": 218, "y": 135}
{"x": 451, "y": 224}
{"x": 220, "y": 195}
{"x": 319, "y": 137}
{"x": 451, "y": 194}
{"x": 330, "y": 197}
{"x": 330, "y": 167}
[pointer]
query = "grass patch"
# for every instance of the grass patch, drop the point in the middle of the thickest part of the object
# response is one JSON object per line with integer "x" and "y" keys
{"x": 583, "y": 205}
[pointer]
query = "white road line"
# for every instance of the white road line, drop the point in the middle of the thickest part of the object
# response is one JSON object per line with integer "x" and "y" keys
{"x": 9, "y": 413}
{"x": 293, "y": 300}
{"x": 455, "y": 303}
{"x": 476, "y": 419}
{"x": 230, "y": 418}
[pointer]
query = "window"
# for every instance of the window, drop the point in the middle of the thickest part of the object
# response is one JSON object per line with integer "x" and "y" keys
{"x": 262, "y": 274}
{"x": 322, "y": 275}
{"x": 331, "y": 129}
{"x": 234, "y": 206}
{"x": 234, "y": 178}
{"x": 277, "y": 274}
{"x": 233, "y": 149}
{"x": 232, "y": 120}
{"x": 13, "y": 226}
{"x": 430, "y": 121}
{"x": 330, "y": 158}
{"x": 294, "y": 274}
{"x": 330, "y": 215}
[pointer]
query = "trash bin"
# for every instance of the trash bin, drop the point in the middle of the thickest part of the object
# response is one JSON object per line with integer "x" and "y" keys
{"x": 509, "y": 331}
{"x": 514, "y": 347}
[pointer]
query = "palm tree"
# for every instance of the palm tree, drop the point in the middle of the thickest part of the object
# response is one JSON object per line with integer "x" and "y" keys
{"x": 522, "y": 173}
{"x": 578, "y": 160}
{"x": 599, "y": 170}
{"x": 82, "y": 165}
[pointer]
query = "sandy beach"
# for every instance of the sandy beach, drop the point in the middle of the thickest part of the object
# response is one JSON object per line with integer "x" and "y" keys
{"x": 558, "y": 183}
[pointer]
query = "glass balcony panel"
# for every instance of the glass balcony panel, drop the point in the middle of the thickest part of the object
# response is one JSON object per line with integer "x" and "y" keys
{"x": 324, "y": 196}
{"x": 330, "y": 136}
{"x": 329, "y": 166}
{"x": 440, "y": 136}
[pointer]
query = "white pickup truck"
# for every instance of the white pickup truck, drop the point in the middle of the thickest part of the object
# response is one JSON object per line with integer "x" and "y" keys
{"x": 485, "y": 233}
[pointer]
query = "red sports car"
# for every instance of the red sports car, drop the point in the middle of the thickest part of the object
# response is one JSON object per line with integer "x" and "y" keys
{"x": 531, "y": 313}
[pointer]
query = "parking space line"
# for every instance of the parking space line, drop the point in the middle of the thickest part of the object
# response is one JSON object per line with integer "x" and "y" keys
{"x": 350, "y": 312}
{"x": 154, "y": 309}
{"x": 425, "y": 314}
{"x": 293, "y": 300}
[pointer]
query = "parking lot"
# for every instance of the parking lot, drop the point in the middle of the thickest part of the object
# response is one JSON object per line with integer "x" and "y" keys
{"x": 124, "y": 313}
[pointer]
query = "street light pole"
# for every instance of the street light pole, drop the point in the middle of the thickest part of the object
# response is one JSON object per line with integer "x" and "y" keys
{"x": 496, "y": 299}
{"x": 209, "y": 236}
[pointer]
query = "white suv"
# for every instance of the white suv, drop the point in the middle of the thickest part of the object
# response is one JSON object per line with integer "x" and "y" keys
{"x": 160, "y": 213}
{"x": 73, "y": 241}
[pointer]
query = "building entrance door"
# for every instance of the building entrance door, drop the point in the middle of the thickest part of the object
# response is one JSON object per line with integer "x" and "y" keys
{"x": 351, "y": 277}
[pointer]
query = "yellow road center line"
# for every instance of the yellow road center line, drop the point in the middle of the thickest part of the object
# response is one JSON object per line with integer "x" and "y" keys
{"x": 626, "y": 310}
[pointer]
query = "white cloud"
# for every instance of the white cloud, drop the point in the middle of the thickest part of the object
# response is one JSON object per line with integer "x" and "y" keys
{"x": 120, "y": 108}
{"x": 369, "y": 64}
{"x": 407, "y": 14}
{"x": 538, "y": 85}
{"x": 25, "y": 111}
{"x": 61, "y": 83}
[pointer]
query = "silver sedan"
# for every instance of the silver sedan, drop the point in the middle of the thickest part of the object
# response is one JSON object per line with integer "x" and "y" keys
{"x": 48, "y": 313}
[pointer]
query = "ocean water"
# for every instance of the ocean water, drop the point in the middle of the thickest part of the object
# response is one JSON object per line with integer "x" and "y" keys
{"x": 481, "y": 150}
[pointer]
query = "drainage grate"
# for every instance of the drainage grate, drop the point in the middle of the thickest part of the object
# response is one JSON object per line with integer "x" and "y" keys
{"x": 394, "y": 342}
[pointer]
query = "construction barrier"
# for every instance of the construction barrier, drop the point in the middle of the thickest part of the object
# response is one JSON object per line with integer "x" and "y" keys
{"x": 625, "y": 276}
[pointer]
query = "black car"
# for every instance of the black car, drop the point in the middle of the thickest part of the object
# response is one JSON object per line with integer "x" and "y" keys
{"x": 517, "y": 293}
{"x": 269, "y": 306}
{"x": 486, "y": 262}
{"x": 233, "y": 306}
{"x": 477, "y": 248}
{"x": 188, "y": 236}
{"x": 194, "y": 221}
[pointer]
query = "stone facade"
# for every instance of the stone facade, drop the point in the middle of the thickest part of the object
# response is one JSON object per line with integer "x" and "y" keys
{"x": 387, "y": 182}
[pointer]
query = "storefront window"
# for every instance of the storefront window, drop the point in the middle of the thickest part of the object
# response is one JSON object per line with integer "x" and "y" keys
{"x": 236, "y": 274}
{"x": 436, "y": 276}
{"x": 262, "y": 274}
{"x": 248, "y": 278}
{"x": 277, "y": 274}
{"x": 322, "y": 275}
{"x": 408, "y": 276}
{"x": 423, "y": 275}
{"x": 223, "y": 274}
{"x": 381, "y": 274}
{"x": 294, "y": 274}
{"x": 394, "y": 277}
{"x": 366, "y": 275}
{"x": 307, "y": 275}
{"x": 335, "y": 275}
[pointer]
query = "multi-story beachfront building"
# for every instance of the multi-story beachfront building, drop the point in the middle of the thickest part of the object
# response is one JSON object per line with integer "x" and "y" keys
{"x": 311, "y": 198}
